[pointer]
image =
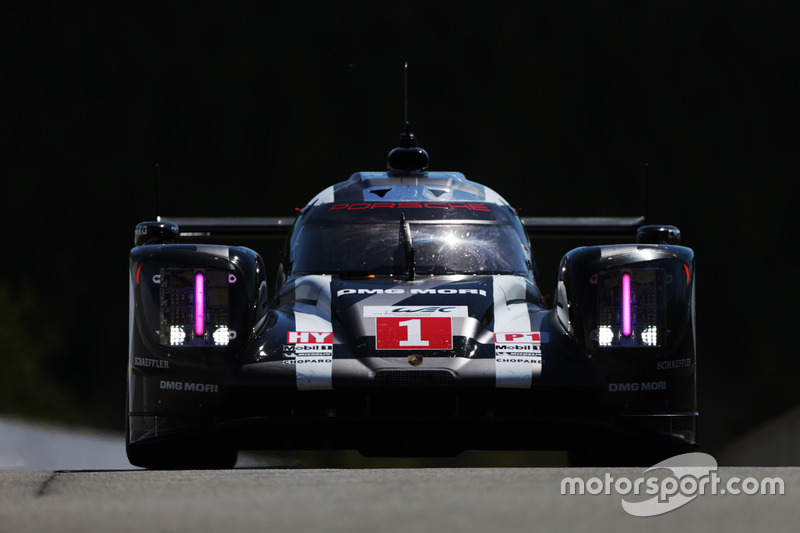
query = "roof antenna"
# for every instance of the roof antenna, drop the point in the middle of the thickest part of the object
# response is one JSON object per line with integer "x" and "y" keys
{"x": 158, "y": 190}
{"x": 407, "y": 158}
{"x": 408, "y": 134}
{"x": 646, "y": 191}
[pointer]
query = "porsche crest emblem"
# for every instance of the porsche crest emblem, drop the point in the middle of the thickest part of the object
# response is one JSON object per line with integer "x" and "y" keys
{"x": 415, "y": 360}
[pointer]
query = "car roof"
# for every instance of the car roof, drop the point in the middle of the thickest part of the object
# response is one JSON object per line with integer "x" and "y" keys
{"x": 390, "y": 187}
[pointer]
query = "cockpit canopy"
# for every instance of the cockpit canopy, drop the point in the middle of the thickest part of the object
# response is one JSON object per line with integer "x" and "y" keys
{"x": 393, "y": 238}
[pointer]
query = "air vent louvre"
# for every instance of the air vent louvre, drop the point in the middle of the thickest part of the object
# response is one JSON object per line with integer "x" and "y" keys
{"x": 414, "y": 379}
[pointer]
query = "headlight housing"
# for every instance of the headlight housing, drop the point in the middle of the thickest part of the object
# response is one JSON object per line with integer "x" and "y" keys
{"x": 630, "y": 307}
{"x": 625, "y": 297}
{"x": 196, "y": 297}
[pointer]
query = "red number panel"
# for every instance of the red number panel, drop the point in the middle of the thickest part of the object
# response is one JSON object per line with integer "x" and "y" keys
{"x": 417, "y": 333}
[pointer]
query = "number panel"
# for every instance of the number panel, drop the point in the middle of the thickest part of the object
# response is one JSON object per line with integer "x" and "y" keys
{"x": 418, "y": 333}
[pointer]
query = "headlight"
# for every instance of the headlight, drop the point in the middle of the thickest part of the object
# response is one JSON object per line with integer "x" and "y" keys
{"x": 194, "y": 307}
{"x": 626, "y": 297}
{"x": 630, "y": 307}
{"x": 187, "y": 297}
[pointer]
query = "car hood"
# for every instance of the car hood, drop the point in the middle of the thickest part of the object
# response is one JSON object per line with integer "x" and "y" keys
{"x": 434, "y": 313}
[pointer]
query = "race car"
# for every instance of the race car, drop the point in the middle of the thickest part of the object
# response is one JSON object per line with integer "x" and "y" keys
{"x": 407, "y": 320}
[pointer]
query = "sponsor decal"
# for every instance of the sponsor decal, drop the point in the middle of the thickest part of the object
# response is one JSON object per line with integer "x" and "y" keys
{"x": 147, "y": 362}
{"x": 532, "y": 337}
{"x": 518, "y": 358}
{"x": 312, "y": 346}
{"x": 311, "y": 349}
{"x": 188, "y": 386}
{"x": 677, "y": 363}
{"x": 502, "y": 350}
{"x": 292, "y": 350}
{"x": 637, "y": 386}
{"x": 313, "y": 352}
{"x": 313, "y": 360}
{"x": 309, "y": 337}
{"x": 397, "y": 290}
{"x": 362, "y": 206}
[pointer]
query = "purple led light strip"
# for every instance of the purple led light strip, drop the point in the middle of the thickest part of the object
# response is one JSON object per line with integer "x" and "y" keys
{"x": 199, "y": 304}
{"x": 626, "y": 305}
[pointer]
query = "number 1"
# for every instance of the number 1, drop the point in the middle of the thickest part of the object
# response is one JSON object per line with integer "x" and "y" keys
{"x": 414, "y": 337}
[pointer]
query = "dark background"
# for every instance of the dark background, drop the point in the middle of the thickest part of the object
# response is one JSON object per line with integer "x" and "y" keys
{"x": 252, "y": 109}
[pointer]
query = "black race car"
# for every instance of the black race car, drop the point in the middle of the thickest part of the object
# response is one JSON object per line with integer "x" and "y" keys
{"x": 407, "y": 320}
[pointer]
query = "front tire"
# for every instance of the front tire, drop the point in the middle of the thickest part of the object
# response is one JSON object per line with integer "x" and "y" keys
{"x": 189, "y": 457}
{"x": 640, "y": 456}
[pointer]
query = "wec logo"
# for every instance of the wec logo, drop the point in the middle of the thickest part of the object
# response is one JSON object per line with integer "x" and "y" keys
{"x": 374, "y": 311}
{"x": 429, "y": 309}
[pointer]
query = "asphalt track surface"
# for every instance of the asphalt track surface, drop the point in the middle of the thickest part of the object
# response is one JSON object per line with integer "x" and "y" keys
{"x": 60, "y": 480}
{"x": 369, "y": 500}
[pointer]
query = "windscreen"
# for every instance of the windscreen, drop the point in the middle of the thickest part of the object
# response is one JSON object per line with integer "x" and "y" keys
{"x": 378, "y": 243}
